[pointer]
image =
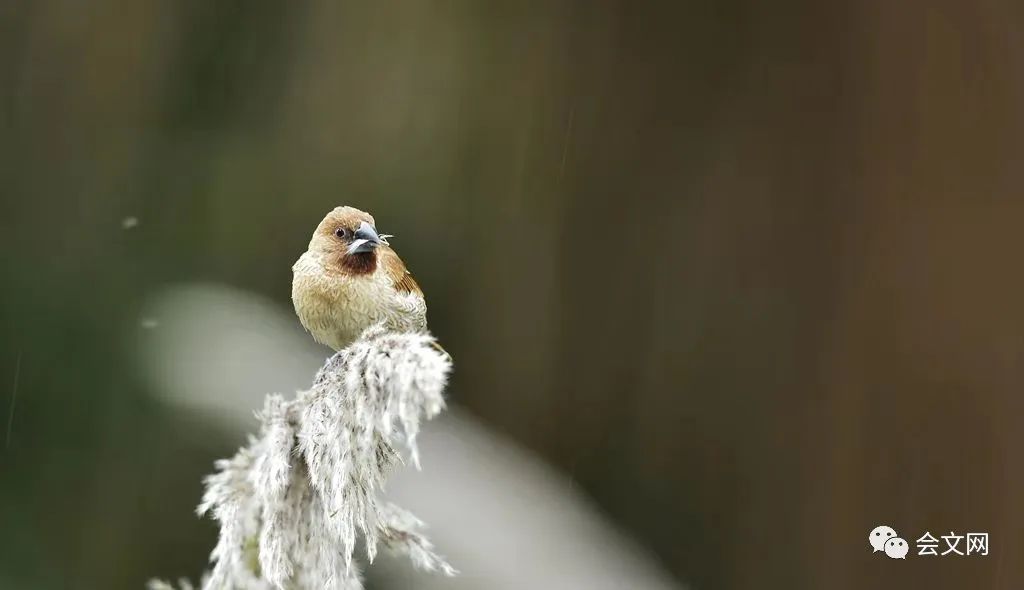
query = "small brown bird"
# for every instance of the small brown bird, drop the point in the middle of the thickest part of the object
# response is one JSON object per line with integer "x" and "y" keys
{"x": 349, "y": 279}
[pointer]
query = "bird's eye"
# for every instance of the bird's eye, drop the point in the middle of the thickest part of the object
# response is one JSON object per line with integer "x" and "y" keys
{"x": 341, "y": 232}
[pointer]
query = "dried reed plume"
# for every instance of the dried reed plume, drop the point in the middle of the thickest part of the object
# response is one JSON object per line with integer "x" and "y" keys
{"x": 292, "y": 503}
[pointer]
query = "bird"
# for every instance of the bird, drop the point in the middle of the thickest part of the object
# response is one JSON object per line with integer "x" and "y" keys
{"x": 349, "y": 278}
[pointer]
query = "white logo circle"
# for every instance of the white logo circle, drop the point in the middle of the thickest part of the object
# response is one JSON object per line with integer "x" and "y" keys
{"x": 879, "y": 535}
{"x": 896, "y": 548}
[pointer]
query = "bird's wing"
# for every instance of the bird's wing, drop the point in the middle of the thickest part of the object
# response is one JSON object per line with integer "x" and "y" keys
{"x": 400, "y": 276}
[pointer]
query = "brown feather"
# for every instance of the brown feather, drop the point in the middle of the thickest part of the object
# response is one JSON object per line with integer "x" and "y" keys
{"x": 400, "y": 276}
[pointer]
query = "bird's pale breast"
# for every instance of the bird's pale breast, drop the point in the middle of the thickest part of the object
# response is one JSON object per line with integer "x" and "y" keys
{"x": 335, "y": 308}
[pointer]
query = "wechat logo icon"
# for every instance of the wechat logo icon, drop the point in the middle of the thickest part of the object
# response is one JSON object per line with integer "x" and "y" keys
{"x": 885, "y": 539}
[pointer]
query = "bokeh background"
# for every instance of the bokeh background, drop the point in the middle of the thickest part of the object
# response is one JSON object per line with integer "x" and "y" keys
{"x": 747, "y": 274}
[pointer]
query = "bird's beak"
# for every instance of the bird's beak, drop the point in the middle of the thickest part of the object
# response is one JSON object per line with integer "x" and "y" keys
{"x": 366, "y": 239}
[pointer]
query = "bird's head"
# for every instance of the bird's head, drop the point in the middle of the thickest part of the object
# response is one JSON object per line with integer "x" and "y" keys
{"x": 348, "y": 237}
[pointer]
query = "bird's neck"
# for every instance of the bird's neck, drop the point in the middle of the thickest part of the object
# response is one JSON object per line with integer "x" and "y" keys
{"x": 363, "y": 263}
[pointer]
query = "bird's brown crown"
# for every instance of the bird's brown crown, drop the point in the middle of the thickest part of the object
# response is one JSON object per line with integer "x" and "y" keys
{"x": 347, "y": 218}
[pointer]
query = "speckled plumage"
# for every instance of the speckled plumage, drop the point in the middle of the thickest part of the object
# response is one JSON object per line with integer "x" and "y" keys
{"x": 337, "y": 295}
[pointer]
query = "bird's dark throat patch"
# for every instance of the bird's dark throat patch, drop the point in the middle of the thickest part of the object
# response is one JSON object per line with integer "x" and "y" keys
{"x": 362, "y": 263}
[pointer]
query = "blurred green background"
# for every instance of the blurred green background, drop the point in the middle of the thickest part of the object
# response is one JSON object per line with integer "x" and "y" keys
{"x": 748, "y": 272}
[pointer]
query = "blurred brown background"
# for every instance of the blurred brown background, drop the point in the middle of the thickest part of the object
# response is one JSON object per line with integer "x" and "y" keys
{"x": 747, "y": 272}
